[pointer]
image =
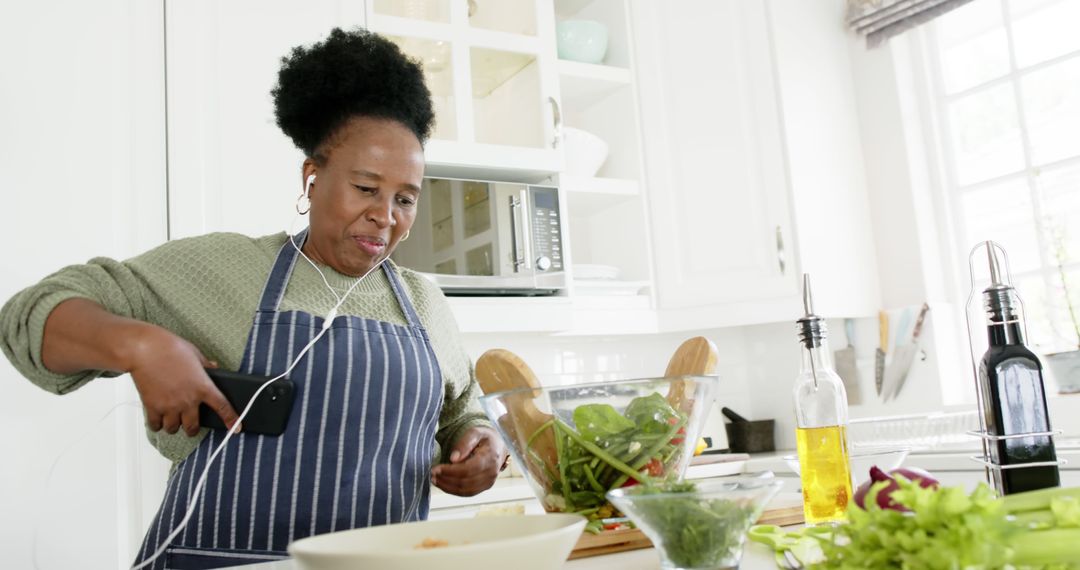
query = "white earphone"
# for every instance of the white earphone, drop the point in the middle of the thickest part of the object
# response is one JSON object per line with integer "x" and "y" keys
{"x": 310, "y": 181}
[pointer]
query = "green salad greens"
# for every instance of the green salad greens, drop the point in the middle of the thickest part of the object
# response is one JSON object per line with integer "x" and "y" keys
{"x": 948, "y": 528}
{"x": 608, "y": 450}
{"x": 694, "y": 531}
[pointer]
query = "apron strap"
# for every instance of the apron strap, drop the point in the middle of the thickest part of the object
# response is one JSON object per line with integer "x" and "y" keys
{"x": 403, "y": 299}
{"x": 274, "y": 289}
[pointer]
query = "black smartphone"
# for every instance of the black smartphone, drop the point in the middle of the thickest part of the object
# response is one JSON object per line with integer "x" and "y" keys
{"x": 269, "y": 414}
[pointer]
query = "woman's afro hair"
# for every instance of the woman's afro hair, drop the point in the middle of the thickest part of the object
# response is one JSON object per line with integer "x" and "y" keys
{"x": 353, "y": 73}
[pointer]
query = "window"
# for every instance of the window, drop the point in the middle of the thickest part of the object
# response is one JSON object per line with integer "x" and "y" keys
{"x": 1007, "y": 92}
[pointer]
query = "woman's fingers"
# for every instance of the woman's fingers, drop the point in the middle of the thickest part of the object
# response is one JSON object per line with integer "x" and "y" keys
{"x": 221, "y": 406}
{"x": 189, "y": 419}
{"x": 471, "y": 475}
{"x": 171, "y": 422}
{"x": 153, "y": 420}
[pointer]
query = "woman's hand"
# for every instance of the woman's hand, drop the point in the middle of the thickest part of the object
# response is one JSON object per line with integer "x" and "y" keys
{"x": 168, "y": 370}
{"x": 168, "y": 373}
{"x": 475, "y": 461}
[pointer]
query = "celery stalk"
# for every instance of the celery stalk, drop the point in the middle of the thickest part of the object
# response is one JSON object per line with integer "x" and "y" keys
{"x": 1046, "y": 546}
{"x": 1037, "y": 500}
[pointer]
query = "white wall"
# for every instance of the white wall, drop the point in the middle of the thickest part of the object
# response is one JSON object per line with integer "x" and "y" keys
{"x": 82, "y": 171}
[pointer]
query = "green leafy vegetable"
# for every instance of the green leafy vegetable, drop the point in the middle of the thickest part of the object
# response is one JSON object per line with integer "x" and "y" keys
{"x": 599, "y": 421}
{"x": 651, "y": 414}
{"x": 605, "y": 450}
{"x": 694, "y": 532}
{"x": 951, "y": 529}
{"x": 948, "y": 529}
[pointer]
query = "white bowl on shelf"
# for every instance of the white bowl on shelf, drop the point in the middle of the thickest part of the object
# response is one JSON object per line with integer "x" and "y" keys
{"x": 585, "y": 152}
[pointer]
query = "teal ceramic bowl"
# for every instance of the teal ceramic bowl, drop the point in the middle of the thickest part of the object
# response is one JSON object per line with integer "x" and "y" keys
{"x": 581, "y": 40}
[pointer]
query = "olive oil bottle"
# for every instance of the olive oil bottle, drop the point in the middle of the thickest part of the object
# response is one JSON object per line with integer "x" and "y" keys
{"x": 821, "y": 423}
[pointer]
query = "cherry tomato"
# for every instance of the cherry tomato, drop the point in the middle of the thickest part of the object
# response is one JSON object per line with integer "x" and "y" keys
{"x": 654, "y": 468}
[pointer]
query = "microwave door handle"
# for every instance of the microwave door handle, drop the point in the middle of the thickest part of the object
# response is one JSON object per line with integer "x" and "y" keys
{"x": 516, "y": 222}
{"x": 526, "y": 227}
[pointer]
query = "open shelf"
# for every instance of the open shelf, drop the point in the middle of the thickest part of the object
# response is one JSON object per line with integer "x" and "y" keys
{"x": 585, "y": 84}
{"x": 596, "y": 194}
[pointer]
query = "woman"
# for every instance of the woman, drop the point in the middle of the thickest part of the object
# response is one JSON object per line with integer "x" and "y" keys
{"x": 387, "y": 390}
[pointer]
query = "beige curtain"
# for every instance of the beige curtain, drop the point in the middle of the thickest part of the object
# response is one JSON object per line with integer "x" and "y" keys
{"x": 880, "y": 20}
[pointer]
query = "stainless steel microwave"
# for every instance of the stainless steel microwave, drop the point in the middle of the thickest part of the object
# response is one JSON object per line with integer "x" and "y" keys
{"x": 477, "y": 237}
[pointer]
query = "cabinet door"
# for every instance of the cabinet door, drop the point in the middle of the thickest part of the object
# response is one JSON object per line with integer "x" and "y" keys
{"x": 718, "y": 193}
{"x": 82, "y": 157}
{"x": 230, "y": 166}
{"x": 490, "y": 67}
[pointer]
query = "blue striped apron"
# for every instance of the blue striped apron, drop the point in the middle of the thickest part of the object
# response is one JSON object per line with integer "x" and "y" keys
{"x": 356, "y": 452}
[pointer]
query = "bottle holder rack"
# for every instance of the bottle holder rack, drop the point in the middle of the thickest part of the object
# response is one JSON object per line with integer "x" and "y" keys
{"x": 987, "y": 439}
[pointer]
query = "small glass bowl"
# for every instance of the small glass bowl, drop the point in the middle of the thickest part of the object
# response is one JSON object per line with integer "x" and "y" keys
{"x": 704, "y": 528}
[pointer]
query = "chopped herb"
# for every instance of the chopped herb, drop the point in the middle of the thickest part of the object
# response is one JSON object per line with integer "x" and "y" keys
{"x": 695, "y": 532}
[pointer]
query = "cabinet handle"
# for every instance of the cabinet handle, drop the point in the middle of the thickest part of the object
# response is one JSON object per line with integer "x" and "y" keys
{"x": 556, "y": 115}
{"x": 780, "y": 250}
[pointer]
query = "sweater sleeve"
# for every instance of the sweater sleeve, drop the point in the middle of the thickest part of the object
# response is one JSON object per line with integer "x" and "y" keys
{"x": 108, "y": 282}
{"x": 461, "y": 392}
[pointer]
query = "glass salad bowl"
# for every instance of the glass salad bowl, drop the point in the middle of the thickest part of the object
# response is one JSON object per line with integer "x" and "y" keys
{"x": 697, "y": 525}
{"x": 576, "y": 443}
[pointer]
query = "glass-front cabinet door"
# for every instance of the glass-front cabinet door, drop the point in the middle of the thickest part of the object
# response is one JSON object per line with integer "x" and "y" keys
{"x": 490, "y": 66}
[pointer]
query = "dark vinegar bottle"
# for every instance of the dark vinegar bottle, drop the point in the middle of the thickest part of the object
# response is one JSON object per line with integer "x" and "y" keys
{"x": 1014, "y": 399}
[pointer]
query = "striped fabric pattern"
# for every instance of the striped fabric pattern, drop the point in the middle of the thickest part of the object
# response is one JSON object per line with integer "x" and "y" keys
{"x": 357, "y": 450}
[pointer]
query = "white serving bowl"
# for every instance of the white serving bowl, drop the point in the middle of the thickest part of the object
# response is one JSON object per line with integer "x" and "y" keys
{"x": 527, "y": 542}
{"x": 585, "y": 152}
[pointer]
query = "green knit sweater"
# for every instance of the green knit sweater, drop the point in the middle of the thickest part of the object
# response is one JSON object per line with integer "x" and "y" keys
{"x": 206, "y": 289}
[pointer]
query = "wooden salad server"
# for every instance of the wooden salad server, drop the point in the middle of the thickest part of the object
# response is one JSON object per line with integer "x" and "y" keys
{"x": 694, "y": 357}
{"x": 498, "y": 370}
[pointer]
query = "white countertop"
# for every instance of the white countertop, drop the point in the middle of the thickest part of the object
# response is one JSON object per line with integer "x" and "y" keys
{"x": 755, "y": 556}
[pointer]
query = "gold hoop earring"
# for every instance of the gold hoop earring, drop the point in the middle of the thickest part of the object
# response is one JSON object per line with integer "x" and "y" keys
{"x": 406, "y": 236}
{"x": 303, "y": 204}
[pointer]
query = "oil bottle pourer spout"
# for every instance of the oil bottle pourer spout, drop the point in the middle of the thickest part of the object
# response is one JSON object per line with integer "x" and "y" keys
{"x": 995, "y": 265}
{"x": 807, "y": 296}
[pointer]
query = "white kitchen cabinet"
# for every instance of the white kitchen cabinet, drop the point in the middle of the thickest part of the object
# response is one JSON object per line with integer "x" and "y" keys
{"x": 230, "y": 166}
{"x": 718, "y": 190}
{"x": 490, "y": 66}
{"x": 736, "y": 200}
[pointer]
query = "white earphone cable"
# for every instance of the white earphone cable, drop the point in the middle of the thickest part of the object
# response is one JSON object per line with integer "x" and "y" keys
{"x": 331, "y": 315}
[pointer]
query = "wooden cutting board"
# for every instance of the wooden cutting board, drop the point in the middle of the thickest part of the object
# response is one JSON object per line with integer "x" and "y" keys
{"x": 611, "y": 541}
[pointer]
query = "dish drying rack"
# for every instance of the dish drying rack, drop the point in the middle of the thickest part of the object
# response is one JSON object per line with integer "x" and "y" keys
{"x": 920, "y": 432}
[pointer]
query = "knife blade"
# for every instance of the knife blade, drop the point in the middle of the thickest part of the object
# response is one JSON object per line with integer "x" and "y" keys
{"x": 879, "y": 355}
{"x": 845, "y": 365}
{"x": 901, "y": 364}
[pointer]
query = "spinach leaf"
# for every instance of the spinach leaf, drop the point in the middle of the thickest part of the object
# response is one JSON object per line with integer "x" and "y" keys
{"x": 652, "y": 414}
{"x": 599, "y": 421}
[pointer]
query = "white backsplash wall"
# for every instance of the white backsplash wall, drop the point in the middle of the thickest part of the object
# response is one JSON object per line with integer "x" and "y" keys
{"x": 757, "y": 366}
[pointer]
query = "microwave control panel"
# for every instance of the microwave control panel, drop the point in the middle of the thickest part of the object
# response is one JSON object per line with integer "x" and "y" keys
{"x": 546, "y": 228}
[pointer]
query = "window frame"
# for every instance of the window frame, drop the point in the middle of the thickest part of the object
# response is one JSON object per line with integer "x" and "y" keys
{"x": 938, "y": 134}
